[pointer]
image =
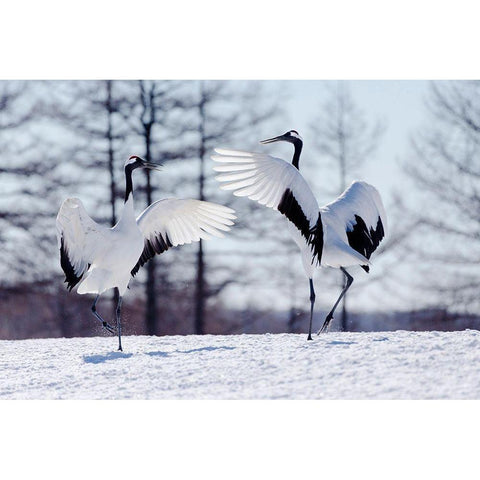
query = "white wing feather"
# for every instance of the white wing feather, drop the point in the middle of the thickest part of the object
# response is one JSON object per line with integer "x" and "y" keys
{"x": 361, "y": 199}
{"x": 265, "y": 179}
{"x": 80, "y": 234}
{"x": 184, "y": 220}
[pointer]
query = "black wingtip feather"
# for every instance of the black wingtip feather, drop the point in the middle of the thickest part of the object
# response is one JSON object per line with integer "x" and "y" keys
{"x": 363, "y": 240}
{"x": 71, "y": 278}
{"x": 150, "y": 249}
{"x": 290, "y": 207}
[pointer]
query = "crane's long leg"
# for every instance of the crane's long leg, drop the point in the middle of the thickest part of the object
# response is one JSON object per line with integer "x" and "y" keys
{"x": 119, "y": 326}
{"x": 330, "y": 315}
{"x": 312, "y": 303}
{"x": 106, "y": 326}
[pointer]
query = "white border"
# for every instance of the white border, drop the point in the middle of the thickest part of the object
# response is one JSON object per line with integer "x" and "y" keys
{"x": 243, "y": 40}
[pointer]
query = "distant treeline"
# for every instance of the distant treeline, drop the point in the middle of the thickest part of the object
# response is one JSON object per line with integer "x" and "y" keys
{"x": 60, "y": 314}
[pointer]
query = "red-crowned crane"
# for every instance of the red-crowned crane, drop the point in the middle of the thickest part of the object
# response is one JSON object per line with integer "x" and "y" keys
{"x": 340, "y": 234}
{"x": 99, "y": 258}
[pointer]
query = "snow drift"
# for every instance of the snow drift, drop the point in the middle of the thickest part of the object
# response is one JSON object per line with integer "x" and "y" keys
{"x": 388, "y": 365}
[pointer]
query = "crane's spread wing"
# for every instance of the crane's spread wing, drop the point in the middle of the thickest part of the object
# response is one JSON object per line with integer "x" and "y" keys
{"x": 77, "y": 237}
{"x": 276, "y": 184}
{"x": 172, "y": 221}
{"x": 360, "y": 213}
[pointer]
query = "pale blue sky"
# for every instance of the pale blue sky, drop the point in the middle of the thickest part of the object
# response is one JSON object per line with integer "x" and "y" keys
{"x": 399, "y": 102}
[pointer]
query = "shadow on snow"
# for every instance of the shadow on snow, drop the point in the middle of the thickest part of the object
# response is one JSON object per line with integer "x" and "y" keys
{"x": 105, "y": 358}
{"x": 117, "y": 355}
{"x": 208, "y": 349}
{"x": 193, "y": 350}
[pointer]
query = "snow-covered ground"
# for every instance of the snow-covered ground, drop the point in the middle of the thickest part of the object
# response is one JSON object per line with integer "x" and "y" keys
{"x": 389, "y": 365}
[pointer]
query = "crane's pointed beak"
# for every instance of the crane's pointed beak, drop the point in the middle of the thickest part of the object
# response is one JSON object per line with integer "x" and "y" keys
{"x": 273, "y": 139}
{"x": 152, "y": 166}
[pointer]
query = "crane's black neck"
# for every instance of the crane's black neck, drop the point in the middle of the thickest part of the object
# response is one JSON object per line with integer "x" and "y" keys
{"x": 298, "y": 144}
{"x": 128, "y": 180}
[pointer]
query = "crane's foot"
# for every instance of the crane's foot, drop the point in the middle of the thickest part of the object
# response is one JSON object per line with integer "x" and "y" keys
{"x": 108, "y": 327}
{"x": 120, "y": 349}
{"x": 326, "y": 324}
{"x": 309, "y": 337}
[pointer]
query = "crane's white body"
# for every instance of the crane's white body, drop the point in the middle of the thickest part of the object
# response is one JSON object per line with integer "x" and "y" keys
{"x": 97, "y": 258}
{"x": 111, "y": 252}
{"x": 106, "y": 256}
{"x": 265, "y": 179}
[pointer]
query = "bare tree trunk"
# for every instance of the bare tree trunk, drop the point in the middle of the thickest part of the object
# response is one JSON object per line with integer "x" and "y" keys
{"x": 200, "y": 280}
{"x": 200, "y": 292}
{"x": 151, "y": 308}
{"x": 111, "y": 171}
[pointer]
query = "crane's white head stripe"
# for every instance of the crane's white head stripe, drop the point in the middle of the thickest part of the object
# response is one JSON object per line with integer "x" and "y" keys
{"x": 131, "y": 159}
{"x": 294, "y": 133}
